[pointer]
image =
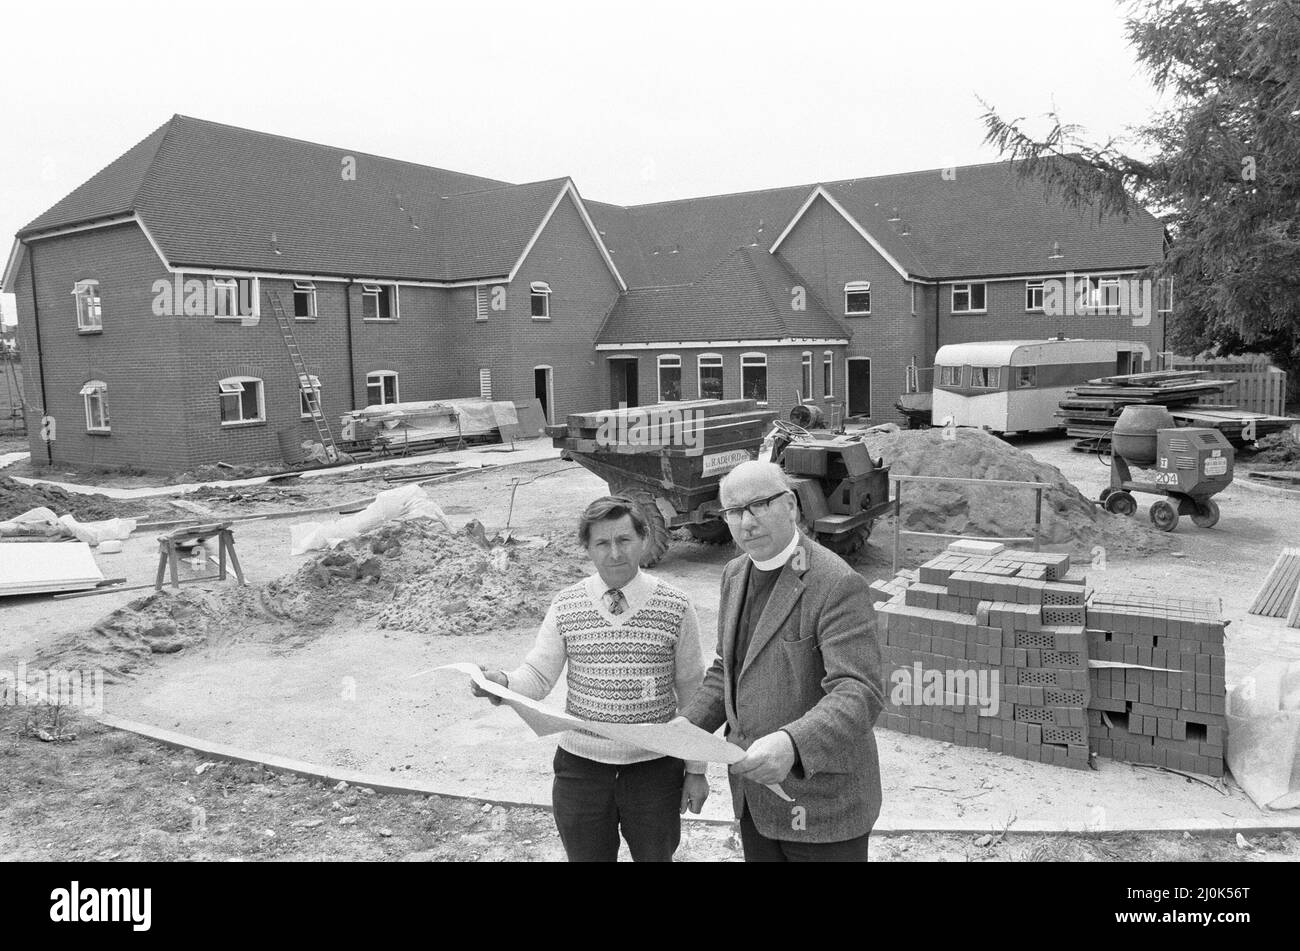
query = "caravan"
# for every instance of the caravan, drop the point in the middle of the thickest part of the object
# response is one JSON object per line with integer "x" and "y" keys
{"x": 1016, "y": 385}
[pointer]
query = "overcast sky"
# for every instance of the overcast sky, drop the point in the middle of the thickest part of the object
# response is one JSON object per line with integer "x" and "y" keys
{"x": 637, "y": 102}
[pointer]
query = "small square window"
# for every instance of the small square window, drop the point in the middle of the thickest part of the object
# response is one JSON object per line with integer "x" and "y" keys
{"x": 377, "y": 302}
{"x": 241, "y": 400}
{"x": 1033, "y": 295}
{"x": 540, "y": 300}
{"x": 968, "y": 298}
{"x": 857, "y": 299}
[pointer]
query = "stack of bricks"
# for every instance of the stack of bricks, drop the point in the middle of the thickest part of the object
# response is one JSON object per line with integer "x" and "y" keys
{"x": 1163, "y": 703}
{"x": 1006, "y": 626}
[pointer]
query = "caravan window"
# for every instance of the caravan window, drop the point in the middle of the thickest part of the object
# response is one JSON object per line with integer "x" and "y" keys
{"x": 985, "y": 378}
{"x": 950, "y": 376}
{"x": 1026, "y": 378}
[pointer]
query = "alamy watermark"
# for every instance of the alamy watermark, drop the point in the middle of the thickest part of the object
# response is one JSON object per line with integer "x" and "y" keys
{"x": 234, "y": 298}
{"x": 35, "y": 686}
{"x": 1083, "y": 296}
{"x": 916, "y": 686}
{"x": 651, "y": 426}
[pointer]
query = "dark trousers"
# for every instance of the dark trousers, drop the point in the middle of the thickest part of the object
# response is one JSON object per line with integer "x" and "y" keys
{"x": 759, "y": 848}
{"x": 593, "y": 801}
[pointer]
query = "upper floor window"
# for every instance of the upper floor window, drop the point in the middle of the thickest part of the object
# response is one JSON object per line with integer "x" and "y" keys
{"x": 95, "y": 395}
{"x": 828, "y": 373}
{"x": 806, "y": 377}
{"x": 1033, "y": 295}
{"x": 670, "y": 377}
{"x": 304, "y": 300}
{"x": 857, "y": 298}
{"x": 1106, "y": 294}
{"x": 969, "y": 299}
{"x": 381, "y": 388}
{"x": 241, "y": 400}
{"x": 541, "y": 300}
{"x": 379, "y": 302}
{"x": 913, "y": 287}
{"x": 225, "y": 297}
{"x": 309, "y": 396}
{"x": 90, "y": 315}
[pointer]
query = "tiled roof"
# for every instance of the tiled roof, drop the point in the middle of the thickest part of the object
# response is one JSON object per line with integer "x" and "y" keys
{"x": 212, "y": 196}
{"x": 748, "y": 296}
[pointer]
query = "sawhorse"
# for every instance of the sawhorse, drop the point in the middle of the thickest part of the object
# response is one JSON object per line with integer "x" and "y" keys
{"x": 170, "y": 545}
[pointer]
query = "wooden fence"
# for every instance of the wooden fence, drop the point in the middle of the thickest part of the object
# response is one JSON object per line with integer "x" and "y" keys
{"x": 1260, "y": 388}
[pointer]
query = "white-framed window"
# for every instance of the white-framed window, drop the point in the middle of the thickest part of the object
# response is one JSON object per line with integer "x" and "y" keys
{"x": 1106, "y": 295}
{"x": 381, "y": 388}
{"x": 540, "y": 300}
{"x": 304, "y": 300}
{"x": 241, "y": 400}
{"x": 984, "y": 378}
{"x": 805, "y": 376}
{"x": 969, "y": 298}
{"x": 709, "y": 375}
{"x": 379, "y": 302}
{"x": 950, "y": 376}
{"x": 225, "y": 297}
{"x": 670, "y": 377}
{"x": 95, "y": 395}
{"x": 1033, "y": 296}
{"x": 90, "y": 311}
{"x": 913, "y": 286}
{"x": 753, "y": 377}
{"x": 309, "y": 396}
{"x": 857, "y": 299}
{"x": 828, "y": 373}
{"x": 485, "y": 384}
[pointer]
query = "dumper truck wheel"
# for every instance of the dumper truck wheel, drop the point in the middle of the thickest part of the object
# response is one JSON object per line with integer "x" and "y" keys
{"x": 1164, "y": 516}
{"x": 658, "y": 540}
{"x": 1206, "y": 514}
{"x": 712, "y": 532}
{"x": 848, "y": 544}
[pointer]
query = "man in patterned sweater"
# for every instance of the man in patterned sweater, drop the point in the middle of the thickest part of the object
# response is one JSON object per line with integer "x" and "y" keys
{"x": 632, "y": 646}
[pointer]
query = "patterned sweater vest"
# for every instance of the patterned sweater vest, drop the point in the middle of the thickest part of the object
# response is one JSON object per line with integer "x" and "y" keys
{"x": 621, "y": 674}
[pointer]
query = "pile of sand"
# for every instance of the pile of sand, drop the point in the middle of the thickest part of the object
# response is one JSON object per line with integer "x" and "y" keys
{"x": 409, "y": 575}
{"x": 1273, "y": 452}
{"x": 1068, "y": 519}
{"x": 16, "y": 498}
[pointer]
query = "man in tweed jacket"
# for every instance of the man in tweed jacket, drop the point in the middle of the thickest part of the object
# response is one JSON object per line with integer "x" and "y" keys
{"x": 797, "y": 681}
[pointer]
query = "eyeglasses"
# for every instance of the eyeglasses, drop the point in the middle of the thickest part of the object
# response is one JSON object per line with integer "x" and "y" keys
{"x": 756, "y": 508}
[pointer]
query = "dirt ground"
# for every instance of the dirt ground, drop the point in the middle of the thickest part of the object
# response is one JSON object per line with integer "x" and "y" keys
{"x": 111, "y": 796}
{"x": 356, "y": 695}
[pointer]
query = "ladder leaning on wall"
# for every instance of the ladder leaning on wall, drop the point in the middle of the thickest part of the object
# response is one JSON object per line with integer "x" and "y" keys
{"x": 285, "y": 324}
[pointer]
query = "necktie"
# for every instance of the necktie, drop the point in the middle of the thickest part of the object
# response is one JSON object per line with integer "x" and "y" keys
{"x": 616, "y": 601}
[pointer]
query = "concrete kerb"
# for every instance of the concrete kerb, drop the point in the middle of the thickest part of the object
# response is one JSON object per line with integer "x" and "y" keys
{"x": 884, "y": 826}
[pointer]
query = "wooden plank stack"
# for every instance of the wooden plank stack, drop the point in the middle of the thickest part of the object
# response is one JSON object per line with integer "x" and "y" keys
{"x": 1279, "y": 595}
{"x": 685, "y": 427}
{"x": 1090, "y": 411}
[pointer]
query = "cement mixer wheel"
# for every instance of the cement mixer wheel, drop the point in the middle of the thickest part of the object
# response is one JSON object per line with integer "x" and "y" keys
{"x": 1163, "y": 515}
{"x": 1206, "y": 514}
{"x": 1120, "y": 502}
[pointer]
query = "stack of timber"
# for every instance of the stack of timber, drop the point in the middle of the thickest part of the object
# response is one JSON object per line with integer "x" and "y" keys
{"x": 1090, "y": 411}
{"x": 1279, "y": 595}
{"x": 679, "y": 428}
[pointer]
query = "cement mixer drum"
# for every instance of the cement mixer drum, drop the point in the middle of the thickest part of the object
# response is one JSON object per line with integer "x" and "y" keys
{"x": 1134, "y": 436}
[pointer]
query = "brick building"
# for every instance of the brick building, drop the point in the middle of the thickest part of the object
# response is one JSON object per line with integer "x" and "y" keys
{"x": 140, "y": 294}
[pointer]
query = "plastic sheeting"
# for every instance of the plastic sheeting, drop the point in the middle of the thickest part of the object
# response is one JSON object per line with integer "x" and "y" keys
{"x": 1263, "y": 748}
{"x": 395, "y": 505}
{"x": 42, "y": 522}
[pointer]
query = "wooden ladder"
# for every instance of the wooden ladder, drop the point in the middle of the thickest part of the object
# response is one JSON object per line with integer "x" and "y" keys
{"x": 304, "y": 378}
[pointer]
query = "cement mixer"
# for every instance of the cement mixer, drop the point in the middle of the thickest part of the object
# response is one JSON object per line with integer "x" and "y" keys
{"x": 1186, "y": 465}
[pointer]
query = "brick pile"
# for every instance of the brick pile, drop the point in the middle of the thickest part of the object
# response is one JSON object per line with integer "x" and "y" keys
{"x": 1004, "y": 650}
{"x": 1164, "y": 702}
{"x": 1008, "y": 624}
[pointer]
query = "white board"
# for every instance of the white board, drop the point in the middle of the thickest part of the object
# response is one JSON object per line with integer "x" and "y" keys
{"x": 58, "y": 566}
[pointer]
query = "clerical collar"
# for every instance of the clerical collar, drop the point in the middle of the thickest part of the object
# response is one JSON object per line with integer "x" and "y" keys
{"x": 776, "y": 561}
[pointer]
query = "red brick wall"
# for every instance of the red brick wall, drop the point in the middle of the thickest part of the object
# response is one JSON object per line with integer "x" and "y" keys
{"x": 825, "y": 250}
{"x": 135, "y": 354}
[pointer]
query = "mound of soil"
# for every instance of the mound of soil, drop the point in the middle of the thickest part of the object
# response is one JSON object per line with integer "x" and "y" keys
{"x": 1068, "y": 519}
{"x": 1274, "y": 451}
{"x": 16, "y": 498}
{"x": 409, "y": 575}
